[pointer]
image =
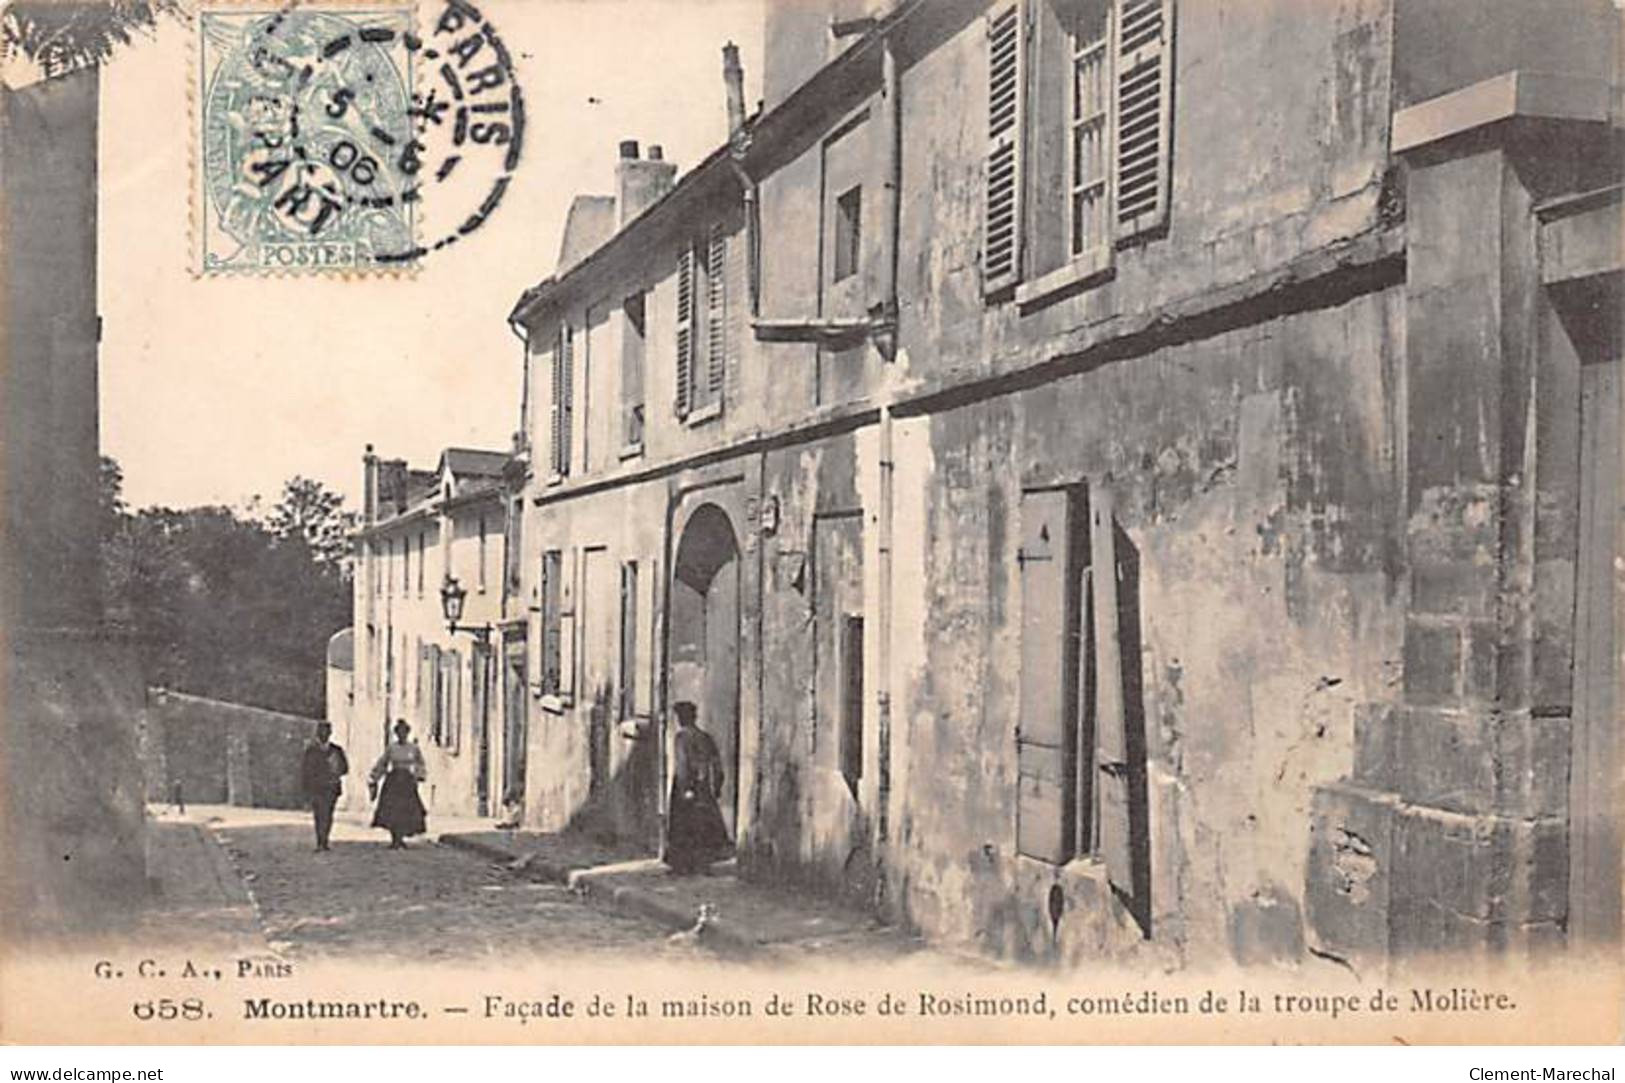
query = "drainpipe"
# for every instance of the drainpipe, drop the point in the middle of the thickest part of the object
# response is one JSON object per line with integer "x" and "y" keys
{"x": 733, "y": 78}
{"x": 891, "y": 154}
{"x": 890, "y": 166}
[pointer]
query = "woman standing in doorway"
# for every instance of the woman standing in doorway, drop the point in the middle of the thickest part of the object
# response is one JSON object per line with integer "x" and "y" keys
{"x": 400, "y": 810}
{"x": 695, "y": 832}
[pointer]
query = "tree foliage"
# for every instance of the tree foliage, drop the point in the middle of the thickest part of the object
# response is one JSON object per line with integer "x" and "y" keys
{"x": 227, "y": 606}
{"x": 65, "y": 35}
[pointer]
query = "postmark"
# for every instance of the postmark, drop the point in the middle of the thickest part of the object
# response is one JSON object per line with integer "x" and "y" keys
{"x": 340, "y": 138}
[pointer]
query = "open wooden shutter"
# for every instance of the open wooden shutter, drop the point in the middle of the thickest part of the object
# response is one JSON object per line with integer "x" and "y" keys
{"x": 685, "y": 329}
{"x": 716, "y": 316}
{"x": 566, "y": 377}
{"x": 545, "y": 652}
{"x": 454, "y": 701}
{"x": 1144, "y": 52}
{"x": 1001, "y": 240}
{"x": 629, "y": 638}
{"x": 1112, "y": 770}
{"x": 556, "y": 407}
{"x": 1045, "y": 735}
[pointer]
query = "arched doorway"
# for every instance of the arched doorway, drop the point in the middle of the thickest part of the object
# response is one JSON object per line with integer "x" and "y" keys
{"x": 703, "y": 664}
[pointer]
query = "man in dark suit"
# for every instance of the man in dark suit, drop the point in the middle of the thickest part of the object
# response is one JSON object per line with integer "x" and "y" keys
{"x": 322, "y": 774}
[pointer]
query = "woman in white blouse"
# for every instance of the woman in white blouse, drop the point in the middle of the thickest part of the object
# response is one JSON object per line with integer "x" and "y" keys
{"x": 400, "y": 811}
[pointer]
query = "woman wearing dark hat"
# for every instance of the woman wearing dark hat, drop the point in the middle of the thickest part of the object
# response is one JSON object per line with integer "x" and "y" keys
{"x": 695, "y": 832}
{"x": 399, "y": 811}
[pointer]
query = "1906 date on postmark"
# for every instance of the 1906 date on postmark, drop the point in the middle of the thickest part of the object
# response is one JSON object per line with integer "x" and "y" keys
{"x": 342, "y": 138}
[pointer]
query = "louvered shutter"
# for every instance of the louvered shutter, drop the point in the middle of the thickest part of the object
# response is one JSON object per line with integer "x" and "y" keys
{"x": 556, "y": 408}
{"x": 685, "y": 329}
{"x": 566, "y": 398}
{"x": 567, "y": 624}
{"x": 454, "y": 701}
{"x": 1001, "y": 241}
{"x": 716, "y": 316}
{"x": 1045, "y": 737}
{"x": 547, "y": 673}
{"x": 1144, "y": 52}
{"x": 1111, "y": 741}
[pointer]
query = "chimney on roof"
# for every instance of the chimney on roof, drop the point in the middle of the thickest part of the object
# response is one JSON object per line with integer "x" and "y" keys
{"x": 733, "y": 79}
{"x": 640, "y": 182}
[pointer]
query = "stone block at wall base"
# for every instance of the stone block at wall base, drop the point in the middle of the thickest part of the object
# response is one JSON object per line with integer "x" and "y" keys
{"x": 1389, "y": 880}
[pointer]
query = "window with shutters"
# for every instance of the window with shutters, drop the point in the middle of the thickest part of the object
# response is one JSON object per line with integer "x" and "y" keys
{"x": 633, "y": 324}
{"x": 1080, "y": 745}
{"x": 561, "y": 414}
{"x": 1089, "y": 84}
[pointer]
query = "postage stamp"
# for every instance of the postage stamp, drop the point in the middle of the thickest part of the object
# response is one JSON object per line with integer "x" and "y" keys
{"x": 298, "y": 111}
{"x": 322, "y": 130}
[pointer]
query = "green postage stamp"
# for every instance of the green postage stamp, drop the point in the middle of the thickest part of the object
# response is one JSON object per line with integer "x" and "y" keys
{"x": 307, "y": 154}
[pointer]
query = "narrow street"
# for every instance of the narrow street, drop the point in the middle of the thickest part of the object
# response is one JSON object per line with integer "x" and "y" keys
{"x": 430, "y": 903}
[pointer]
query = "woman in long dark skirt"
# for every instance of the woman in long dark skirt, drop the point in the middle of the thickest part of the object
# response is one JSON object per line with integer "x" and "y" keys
{"x": 695, "y": 832}
{"x": 400, "y": 811}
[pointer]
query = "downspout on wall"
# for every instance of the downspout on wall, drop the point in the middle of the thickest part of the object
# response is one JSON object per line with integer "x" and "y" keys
{"x": 733, "y": 79}
{"x": 886, "y": 342}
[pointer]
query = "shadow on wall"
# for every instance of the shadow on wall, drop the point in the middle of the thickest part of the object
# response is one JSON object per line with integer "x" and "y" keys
{"x": 623, "y": 799}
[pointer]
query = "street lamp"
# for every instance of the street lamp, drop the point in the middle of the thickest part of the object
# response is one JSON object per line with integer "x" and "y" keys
{"x": 452, "y": 596}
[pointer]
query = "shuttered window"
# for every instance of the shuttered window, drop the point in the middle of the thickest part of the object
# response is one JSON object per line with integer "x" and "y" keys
{"x": 1081, "y": 89}
{"x": 1144, "y": 31}
{"x": 1080, "y": 746}
{"x": 563, "y": 403}
{"x": 1001, "y": 235}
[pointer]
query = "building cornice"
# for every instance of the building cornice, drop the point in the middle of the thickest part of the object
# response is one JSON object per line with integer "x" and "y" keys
{"x": 1533, "y": 95}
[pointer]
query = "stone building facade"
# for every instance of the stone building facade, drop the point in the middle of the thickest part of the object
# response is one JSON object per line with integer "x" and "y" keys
{"x": 1127, "y": 479}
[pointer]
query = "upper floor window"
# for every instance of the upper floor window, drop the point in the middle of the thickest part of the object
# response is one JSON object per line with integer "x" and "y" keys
{"x": 702, "y": 325}
{"x": 481, "y": 578}
{"x": 1079, "y": 137}
{"x": 633, "y": 326}
{"x": 563, "y": 404}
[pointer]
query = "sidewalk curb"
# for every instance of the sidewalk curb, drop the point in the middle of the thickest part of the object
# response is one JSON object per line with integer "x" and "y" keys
{"x": 533, "y": 867}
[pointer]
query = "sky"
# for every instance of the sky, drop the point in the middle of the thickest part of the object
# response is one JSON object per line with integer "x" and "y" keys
{"x": 216, "y": 390}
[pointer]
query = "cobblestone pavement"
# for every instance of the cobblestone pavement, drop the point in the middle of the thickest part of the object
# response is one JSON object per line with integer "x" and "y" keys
{"x": 429, "y": 903}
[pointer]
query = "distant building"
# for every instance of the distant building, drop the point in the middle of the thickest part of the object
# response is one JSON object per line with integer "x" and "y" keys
{"x": 1119, "y": 479}
{"x": 420, "y": 528}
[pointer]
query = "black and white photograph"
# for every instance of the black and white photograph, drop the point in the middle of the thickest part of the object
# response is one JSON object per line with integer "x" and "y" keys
{"x": 812, "y": 522}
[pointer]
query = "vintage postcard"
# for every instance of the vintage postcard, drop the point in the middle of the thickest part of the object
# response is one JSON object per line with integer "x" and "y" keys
{"x": 812, "y": 521}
